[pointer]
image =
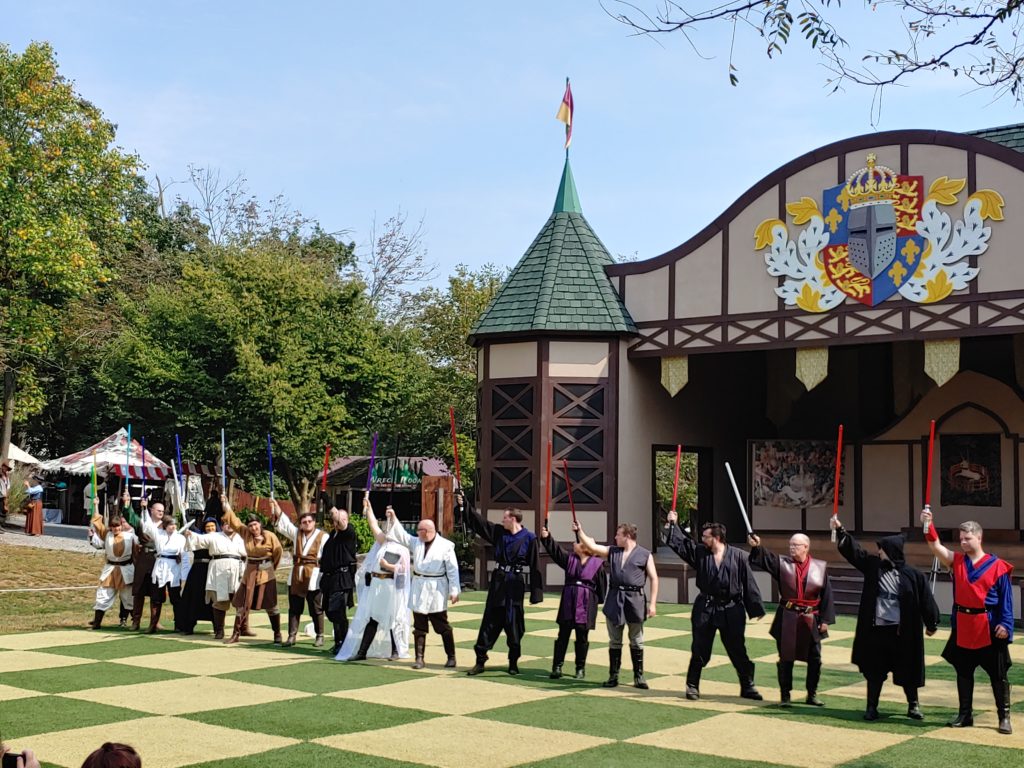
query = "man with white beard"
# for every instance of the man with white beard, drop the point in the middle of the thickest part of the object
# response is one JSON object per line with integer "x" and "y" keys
{"x": 435, "y": 581}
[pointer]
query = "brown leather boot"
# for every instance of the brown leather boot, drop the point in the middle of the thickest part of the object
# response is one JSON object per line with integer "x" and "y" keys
{"x": 154, "y": 617}
{"x": 218, "y": 624}
{"x": 293, "y": 630}
{"x": 275, "y": 625}
{"x": 235, "y": 632}
{"x": 246, "y": 632}
{"x": 420, "y": 641}
{"x": 137, "y": 613}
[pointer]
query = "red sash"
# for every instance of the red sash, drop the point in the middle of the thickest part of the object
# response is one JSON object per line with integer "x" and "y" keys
{"x": 972, "y": 629}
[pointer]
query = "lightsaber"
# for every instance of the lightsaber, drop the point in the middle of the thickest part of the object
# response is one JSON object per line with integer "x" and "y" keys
{"x": 327, "y": 461}
{"x": 835, "y": 488}
{"x": 223, "y": 462}
{"x": 739, "y": 499}
{"x": 373, "y": 461}
{"x": 142, "y": 440}
{"x": 928, "y": 475}
{"x": 270, "y": 464}
{"x": 547, "y": 488}
{"x": 177, "y": 493}
{"x": 181, "y": 472}
{"x": 455, "y": 446}
{"x": 568, "y": 488}
{"x": 394, "y": 471}
{"x": 675, "y": 485}
{"x": 127, "y": 458}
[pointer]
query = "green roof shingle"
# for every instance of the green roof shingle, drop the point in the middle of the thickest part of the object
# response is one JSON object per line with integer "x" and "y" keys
{"x": 560, "y": 283}
{"x": 1010, "y": 136}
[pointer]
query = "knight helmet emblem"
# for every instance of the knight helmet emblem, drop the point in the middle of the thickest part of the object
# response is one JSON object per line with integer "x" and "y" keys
{"x": 871, "y": 193}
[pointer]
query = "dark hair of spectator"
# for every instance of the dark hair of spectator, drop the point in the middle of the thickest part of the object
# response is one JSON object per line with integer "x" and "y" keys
{"x": 112, "y": 755}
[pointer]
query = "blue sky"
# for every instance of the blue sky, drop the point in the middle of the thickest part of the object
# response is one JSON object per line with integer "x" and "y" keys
{"x": 446, "y": 110}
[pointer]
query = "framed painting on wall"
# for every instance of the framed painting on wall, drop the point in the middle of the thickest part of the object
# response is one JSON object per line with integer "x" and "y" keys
{"x": 970, "y": 470}
{"x": 794, "y": 473}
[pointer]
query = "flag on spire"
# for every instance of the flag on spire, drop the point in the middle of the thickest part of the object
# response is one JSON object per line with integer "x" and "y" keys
{"x": 565, "y": 113}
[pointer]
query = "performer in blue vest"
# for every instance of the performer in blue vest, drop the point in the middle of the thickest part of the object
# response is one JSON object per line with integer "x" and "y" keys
{"x": 805, "y": 610}
{"x": 585, "y": 587}
{"x": 517, "y": 569}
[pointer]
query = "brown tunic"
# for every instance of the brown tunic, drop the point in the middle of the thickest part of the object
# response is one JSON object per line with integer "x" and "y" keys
{"x": 258, "y": 588}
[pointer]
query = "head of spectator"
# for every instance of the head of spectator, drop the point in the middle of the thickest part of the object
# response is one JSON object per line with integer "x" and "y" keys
{"x": 113, "y": 755}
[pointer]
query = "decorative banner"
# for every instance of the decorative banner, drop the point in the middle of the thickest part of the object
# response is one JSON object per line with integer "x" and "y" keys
{"x": 877, "y": 235}
{"x": 675, "y": 373}
{"x": 812, "y": 366}
{"x": 942, "y": 359}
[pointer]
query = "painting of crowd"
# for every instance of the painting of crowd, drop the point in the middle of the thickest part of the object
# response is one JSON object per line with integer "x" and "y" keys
{"x": 793, "y": 473}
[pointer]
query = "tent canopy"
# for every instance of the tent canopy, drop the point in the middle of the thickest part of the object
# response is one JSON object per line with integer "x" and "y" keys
{"x": 14, "y": 453}
{"x": 109, "y": 456}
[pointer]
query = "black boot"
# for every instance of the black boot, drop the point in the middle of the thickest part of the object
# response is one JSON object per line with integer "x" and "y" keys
{"x": 965, "y": 693}
{"x": 874, "y": 692}
{"x": 275, "y": 625}
{"x": 420, "y": 642}
{"x": 747, "y": 689}
{"x": 477, "y": 668}
{"x": 785, "y": 671}
{"x": 218, "y": 624}
{"x": 448, "y": 639}
{"x": 561, "y": 646}
{"x": 913, "y": 706}
{"x": 693, "y": 678}
{"x": 137, "y": 613}
{"x": 1001, "y": 689}
{"x": 614, "y": 664}
{"x": 582, "y": 648}
{"x": 364, "y": 645}
{"x": 813, "y": 678}
{"x": 293, "y": 630}
{"x": 637, "y": 657}
{"x": 97, "y": 619}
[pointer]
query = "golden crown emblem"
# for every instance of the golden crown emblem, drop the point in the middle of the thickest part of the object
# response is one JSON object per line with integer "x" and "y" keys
{"x": 872, "y": 185}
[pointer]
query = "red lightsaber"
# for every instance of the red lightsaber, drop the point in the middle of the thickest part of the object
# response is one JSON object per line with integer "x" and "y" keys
{"x": 675, "y": 485}
{"x": 547, "y": 488}
{"x": 568, "y": 488}
{"x": 835, "y": 485}
{"x": 327, "y": 460}
{"x": 455, "y": 446}
{"x": 928, "y": 476}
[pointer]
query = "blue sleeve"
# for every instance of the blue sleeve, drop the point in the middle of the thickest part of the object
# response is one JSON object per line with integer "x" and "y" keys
{"x": 999, "y": 602}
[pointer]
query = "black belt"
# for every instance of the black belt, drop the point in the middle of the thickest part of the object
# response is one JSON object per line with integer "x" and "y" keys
{"x": 227, "y": 557}
{"x": 118, "y": 562}
{"x": 630, "y": 588}
{"x": 344, "y": 569}
{"x": 587, "y": 584}
{"x": 258, "y": 560}
{"x": 970, "y": 611}
{"x": 509, "y": 568}
{"x": 717, "y": 603}
{"x": 175, "y": 558}
{"x": 429, "y": 575}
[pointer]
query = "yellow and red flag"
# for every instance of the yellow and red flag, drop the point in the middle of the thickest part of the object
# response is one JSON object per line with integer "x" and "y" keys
{"x": 565, "y": 113}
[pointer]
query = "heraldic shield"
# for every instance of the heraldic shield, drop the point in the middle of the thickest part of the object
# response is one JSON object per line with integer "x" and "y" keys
{"x": 872, "y": 223}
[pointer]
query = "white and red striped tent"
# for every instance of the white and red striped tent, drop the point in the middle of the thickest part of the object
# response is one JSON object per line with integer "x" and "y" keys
{"x": 195, "y": 468}
{"x": 110, "y": 457}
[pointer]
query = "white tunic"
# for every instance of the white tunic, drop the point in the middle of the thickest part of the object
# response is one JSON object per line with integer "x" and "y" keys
{"x": 125, "y": 558}
{"x": 224, "y": 575}
{"x": 435, "y": 572}
{"x": 287, "y": 529}
{"x": 166, "y": 570}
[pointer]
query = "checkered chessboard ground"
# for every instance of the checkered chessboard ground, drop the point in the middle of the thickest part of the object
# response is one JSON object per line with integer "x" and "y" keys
{"x": 190, "y": 701}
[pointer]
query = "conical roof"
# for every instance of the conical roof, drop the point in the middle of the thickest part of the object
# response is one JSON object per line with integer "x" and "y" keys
{"x": 560, "y": 284}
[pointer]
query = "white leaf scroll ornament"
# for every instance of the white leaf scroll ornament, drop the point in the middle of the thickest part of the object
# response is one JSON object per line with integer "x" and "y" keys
{"x": 806, "y": 285}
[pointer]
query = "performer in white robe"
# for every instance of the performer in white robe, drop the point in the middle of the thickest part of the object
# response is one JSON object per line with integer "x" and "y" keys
{"x": 227, "y": 559}
{"x": 380, "y": 627}
{"x": 435, "y": 581}
{"x": 118, "y": 572}
{"x": 171, "y": 559}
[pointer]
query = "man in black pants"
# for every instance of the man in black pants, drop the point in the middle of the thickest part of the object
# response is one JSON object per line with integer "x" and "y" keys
{"x": 337, "y": 574}
{"x": 728, "y": 594}
{"x": 516, "y": 554}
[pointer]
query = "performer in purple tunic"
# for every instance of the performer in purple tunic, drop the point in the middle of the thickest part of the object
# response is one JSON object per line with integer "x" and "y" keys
{"x": 585, "y": 587}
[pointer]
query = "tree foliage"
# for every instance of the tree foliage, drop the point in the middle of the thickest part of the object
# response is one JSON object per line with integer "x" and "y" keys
{"x": 978, "y": 41}
{"x": 63, "y": 185}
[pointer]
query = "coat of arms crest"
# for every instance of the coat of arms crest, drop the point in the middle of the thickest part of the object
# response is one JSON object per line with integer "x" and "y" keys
{"x": 877, "y": 235}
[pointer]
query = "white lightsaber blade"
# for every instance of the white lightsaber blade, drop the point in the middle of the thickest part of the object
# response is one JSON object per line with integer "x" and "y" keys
{"x": 739, "y": 499}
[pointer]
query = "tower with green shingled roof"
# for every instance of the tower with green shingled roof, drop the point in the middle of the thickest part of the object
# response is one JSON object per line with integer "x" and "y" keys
{"x": 549, "y": 349}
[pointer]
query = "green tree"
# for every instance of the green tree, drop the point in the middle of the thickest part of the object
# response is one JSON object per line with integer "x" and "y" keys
{"x": 62, "y": 189}
{"x": 255, "y": 339}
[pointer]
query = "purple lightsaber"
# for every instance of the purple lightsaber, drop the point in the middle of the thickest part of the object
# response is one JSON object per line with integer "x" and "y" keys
{"x": 373, "y": 459}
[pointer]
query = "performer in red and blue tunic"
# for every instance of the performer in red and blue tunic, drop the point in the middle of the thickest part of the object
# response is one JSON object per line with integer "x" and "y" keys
{"x": 982, "y": 619}
{"x": 517, "y": 570}
{"x": 585, "y": 587}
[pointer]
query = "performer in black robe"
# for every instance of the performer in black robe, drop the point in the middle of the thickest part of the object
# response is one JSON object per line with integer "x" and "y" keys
{"x": 193, "y": 608}
{"x": 586, "y": 585}
{"x": 805, "y": 610}
{"x": 728, "y": 595}
{"x": 518, "y": 568}
{"x": 895, "y": 605}
{"x": 337, "y": 574}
